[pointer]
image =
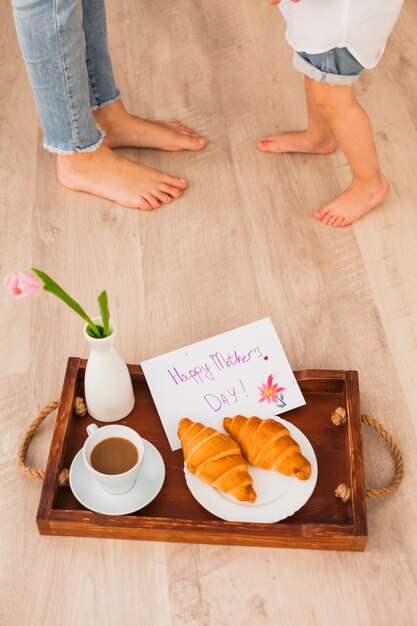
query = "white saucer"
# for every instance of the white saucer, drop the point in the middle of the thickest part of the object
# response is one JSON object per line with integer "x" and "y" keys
{"x": 278, "y": 496}
{"x": 147, "y": 486}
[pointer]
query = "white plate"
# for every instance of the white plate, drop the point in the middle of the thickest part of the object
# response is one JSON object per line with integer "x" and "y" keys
{"x": 92, "y": 495}
{"x": 278, "y": 496}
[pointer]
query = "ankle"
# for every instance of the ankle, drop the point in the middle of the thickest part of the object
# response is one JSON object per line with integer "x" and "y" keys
{"x": 372, "y": 181}
{"x": 79, "y": 161}
{"x": 109, "y": 114}
{"x": 74, "y": 161}
{"x": 320, "y": 141}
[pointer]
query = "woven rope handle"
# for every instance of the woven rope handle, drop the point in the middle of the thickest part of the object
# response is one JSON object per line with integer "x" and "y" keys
{"x": 339, "y": 418}
{"x": 375, "y": 492}
{"x": 343, "y": 491}
{"x": 79, "y": 409}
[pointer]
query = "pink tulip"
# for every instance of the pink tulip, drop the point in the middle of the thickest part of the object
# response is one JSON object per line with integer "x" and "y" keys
{"x": 24, "y": 285}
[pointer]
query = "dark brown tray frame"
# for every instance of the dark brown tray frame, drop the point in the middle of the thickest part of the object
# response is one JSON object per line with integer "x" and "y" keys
{"x": 325, "y": 522}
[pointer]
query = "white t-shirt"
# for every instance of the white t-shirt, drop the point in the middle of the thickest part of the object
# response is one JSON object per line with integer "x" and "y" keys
{"x": 362, "y": 26}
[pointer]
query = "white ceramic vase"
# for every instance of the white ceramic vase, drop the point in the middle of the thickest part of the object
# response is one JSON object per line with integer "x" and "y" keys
{"x": 107, "y": 384}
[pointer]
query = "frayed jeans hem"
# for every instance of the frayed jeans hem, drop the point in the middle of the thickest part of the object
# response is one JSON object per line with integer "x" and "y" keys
{"x": 105, "y": 104}
{"x": 91, "y": 148}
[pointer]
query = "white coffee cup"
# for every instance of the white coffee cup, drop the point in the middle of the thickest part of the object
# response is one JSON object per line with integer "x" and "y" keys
{"x": 113, "y": 483}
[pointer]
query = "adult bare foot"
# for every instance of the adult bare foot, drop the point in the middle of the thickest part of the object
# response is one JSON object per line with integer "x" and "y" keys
{"x": 105, "y": 174}
{"x": 297, "y": 141}
{"x": 354, "y": 202}
{"x": 123, "y": 129}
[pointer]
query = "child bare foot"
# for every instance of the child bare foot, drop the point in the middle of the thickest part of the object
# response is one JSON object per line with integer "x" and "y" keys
{"x": 105, "y": 174}
{"x": 123, "y": 129}
{"x": 297, "y": 141}
{"x": 354, "y": 202}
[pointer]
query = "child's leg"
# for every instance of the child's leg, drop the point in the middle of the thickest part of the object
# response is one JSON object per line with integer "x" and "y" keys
{"x": 353, "y": 131}
{"x": 317, "y": 139}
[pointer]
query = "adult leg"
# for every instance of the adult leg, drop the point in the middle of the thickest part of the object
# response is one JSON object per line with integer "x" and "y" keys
{"x": 122, "y": 128}
{"x": 353, "y": 131}
{"x": 318, "y": 138}
{"x": 103, "y": 89}
{"x": 53, "y": 46}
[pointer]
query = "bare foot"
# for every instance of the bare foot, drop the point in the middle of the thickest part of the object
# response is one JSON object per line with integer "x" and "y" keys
{"x": 296, "y": 141}
{"x": 105, "y": 174}
{"x": 123, "y": 129}
{"x": 354, "y": 202}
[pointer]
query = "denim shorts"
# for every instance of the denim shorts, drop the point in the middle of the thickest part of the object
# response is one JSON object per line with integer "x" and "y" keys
{"x": 335, "y": 67}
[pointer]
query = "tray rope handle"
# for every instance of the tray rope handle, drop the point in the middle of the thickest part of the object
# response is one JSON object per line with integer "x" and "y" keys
{"x": 343, "y": 491}
{"x": 79, "y": 409}
{"x": 339, "y": 418}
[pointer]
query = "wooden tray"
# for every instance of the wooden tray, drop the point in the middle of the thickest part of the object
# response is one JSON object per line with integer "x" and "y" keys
{"x": 324, "y": 522}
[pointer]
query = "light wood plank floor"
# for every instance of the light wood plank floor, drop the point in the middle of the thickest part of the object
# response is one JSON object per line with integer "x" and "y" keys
{"x": 240, "y": 244}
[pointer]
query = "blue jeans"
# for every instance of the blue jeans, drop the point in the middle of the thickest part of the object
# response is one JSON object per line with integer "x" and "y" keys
{"x": 64, "y": 46}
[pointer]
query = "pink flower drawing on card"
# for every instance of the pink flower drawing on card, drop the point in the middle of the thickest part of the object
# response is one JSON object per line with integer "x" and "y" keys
{"x": 271, "y": 392}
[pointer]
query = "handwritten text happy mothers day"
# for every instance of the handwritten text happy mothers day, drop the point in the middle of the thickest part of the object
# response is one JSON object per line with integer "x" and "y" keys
{"x": 207, "y": 371}
{"x": 244, "y": 371}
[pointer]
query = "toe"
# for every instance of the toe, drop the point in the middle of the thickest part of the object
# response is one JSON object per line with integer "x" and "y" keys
{"x": 174, "y": 192}
{"x": 183, "y": 138}
{"x": 326, "y": 217}
{"x": 144, "y": 204}
{"x": 191, "y": 132}
{"x": 264, "y": 145}
{"x": 320, "y": 215}
{"x": 329, "y": 216}
{"x": 339, "y": 221}
{"x": 261, "y": 143}
{"x": 332, "y": 220}
{"x": 173, "y": 181}
{"x": 163, "y": 197}
{"x": 194, "y": 143}
{"x": 184, "y": 127}
{"x": 188, "y": 130}
{"x": 152, "y": 200}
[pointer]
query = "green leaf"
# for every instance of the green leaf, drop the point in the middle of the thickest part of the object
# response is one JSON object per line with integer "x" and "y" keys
{"x": 104, "y": 311}
{"x": 53, "y": 287}
{"x": 100, "y": 329}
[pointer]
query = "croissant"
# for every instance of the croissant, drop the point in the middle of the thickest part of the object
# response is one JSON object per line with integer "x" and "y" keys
{"x": 216, "y": 459}
{"x": 268, "y": 444}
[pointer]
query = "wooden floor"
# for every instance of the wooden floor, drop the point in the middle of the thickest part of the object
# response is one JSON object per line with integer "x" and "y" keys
{"x": 240, "y": 245}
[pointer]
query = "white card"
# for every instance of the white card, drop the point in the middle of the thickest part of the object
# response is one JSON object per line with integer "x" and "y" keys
{"x": 244, "y": 371}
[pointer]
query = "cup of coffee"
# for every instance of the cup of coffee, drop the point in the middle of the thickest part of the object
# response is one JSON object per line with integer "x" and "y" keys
{"x": 113, "y": 455}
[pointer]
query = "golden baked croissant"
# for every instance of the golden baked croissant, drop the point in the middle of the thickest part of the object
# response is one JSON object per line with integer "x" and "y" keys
{"x": 268, "y": 444}
{"x": 216, "y": 459}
